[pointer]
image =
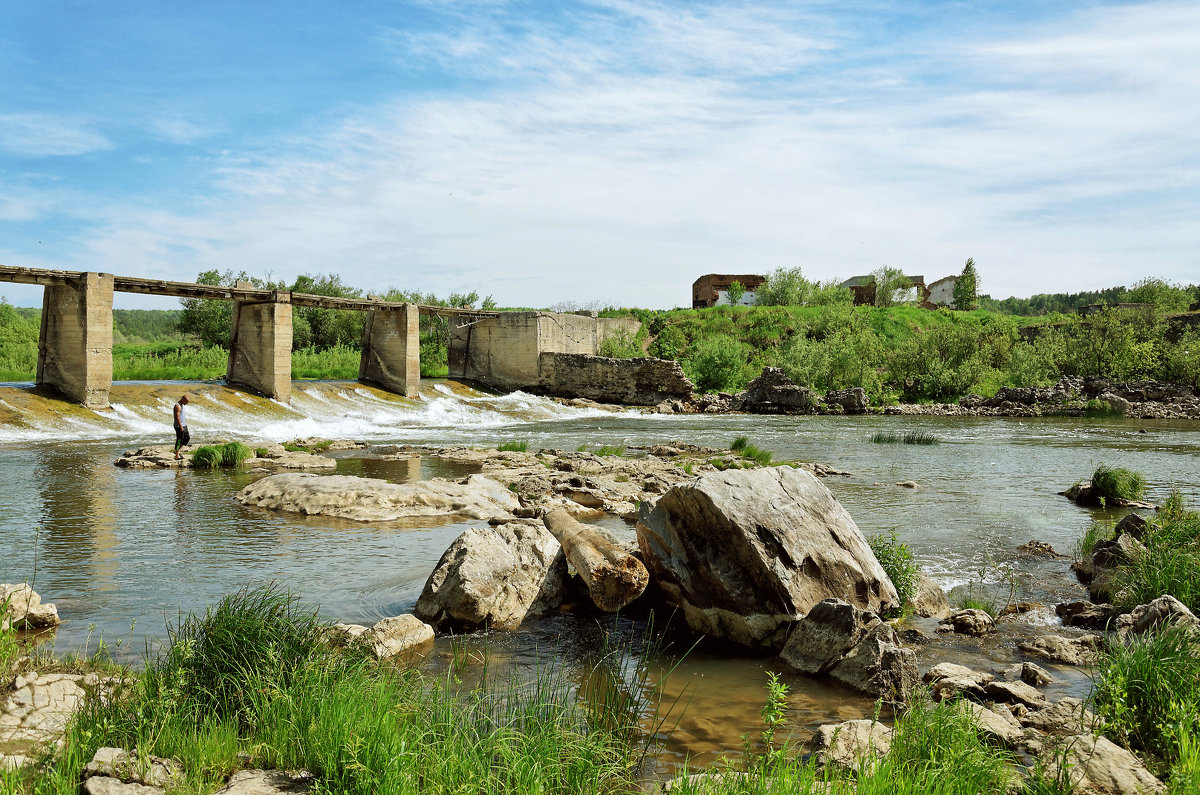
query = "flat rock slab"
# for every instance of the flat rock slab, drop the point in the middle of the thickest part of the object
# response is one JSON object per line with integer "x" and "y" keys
{"x": 1098, "y": 766}
{"x": 388, "y": 638}
{"x": 35, "y": 713}
{"x": 121, "y": 764}
{"x": 267, "y": 782}
{"x": 1072, "y": 651}
{"x": 163, "y": 457}
{"x": 373, "y": 500}
{"x": 105, "y": 785}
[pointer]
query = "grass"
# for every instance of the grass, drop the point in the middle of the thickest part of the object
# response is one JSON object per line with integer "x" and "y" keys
{"x": 910, "y": 437}
{"x": 897, "y": 560}
{"x": 743, "y": 447}
{"x": 988, "y": 606}
{"x": 602, "y": 450}
{"x": 234, "y": 454}
{"x": 1115, "y": 483}
{"x": 1103, "y": 409}
{"x": 252, "y": 683}
{"x": 513, "y": 447}
{"x": 261, "y": 452}
{"x": 1169, "y": 564}
{"x": 206, "y": 457}
{"x": 1097, "y": 532}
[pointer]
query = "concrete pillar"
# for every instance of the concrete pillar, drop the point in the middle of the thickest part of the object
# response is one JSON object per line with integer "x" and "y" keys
{"x": 75, "y": 346}
{"x": 260, "y": 345}
{"x": 391, "y": 350}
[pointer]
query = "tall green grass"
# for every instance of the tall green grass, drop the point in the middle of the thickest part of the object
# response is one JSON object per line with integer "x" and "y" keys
{"x": 206, "y": 457}
{"x": 513, "y": 447}
{"x": 234, "y": 454}
{"x": 1170, "y": 564}
{"x": 743, "y": 447}
{"x": 910, "y": 437}
{"x": 1113, "y": 483}
{"x": 897, "y": 560}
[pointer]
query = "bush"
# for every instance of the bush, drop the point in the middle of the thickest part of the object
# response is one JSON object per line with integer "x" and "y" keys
{"x": 513, "y": 447}
{"x": 718, "y": 364}
{"x": 233, "y": 454}
{"x": 1113, "y": 483}
{"x": 261, "y": 452}
{"x": 206, "y": 458}
{"x": 1170, "y": 562}
{"x": 620, "y": 344}
{"x": 897, "y": 560}
{"x": 742, "y": 446}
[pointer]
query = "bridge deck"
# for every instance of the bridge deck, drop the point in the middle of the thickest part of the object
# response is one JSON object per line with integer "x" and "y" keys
{"x": 131, "y": 284}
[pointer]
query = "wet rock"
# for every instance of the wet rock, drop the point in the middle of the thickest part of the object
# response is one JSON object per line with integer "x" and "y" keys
{"x": 1068, "y": 717}
{"x": 850, "y": 401}
{"x": 267, "y": 782}
{"x": 1122, "y": 549}
{"x": 103, "y": 785}
{"x": 855, "y": 647}
{"x": 1132, "y": 524}
{"x": 774, "y": 393}
{"x": 1015, "y": 693}
{"x": 930, "y": 601}
{"x": 745, "y": 553}
{"x": 948, "y": 680}
{"x": 1097, "y": 766}
{"x": 1019, "y": 609}
{"x": 1040, "y": 549}
{"x": 1031, "y": 674}
{"x": 387, "y": 638}
{"x": 968, "y": 622}
{"x": 1084, "y": 614}
{"x": 907, "y": 484}
{"x": 318, "y": 443}
{"x": 852, "y": 745}
{"x": 495, "y": 576}
{"x": 1166, "y": 610}
{"x": 1082, "y": 494}
{"x": 372, "y": 500}
{"x": 129, "y": 767}
{"x": 277, "y": 457}
{"x": 25, "y": 609}
{"x": 997, "y": 724}
{"x": 1072, "y": 651}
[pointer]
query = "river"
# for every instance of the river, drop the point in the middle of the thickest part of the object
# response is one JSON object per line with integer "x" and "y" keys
{"x": 122, "y": 552}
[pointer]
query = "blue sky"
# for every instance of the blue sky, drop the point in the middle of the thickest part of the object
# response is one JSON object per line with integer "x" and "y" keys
{"x": 547, "y": 152}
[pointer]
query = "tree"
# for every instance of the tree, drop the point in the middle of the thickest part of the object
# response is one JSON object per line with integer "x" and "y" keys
{"x": 966, "y": 287}
{"x": 206, "y": 318}
{"x": 736, "y": 291}
{"x": 891, "y": 285}
{"x": 783, "y": 287}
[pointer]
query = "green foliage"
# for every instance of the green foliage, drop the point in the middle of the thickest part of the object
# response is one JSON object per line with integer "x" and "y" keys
{"x": 669, "y": 344}
{"x": 620, "y": 344}
{"x": 1097, "y": 532}
{"x": 1147, "y": 694}
{"x": 892, "y": 287}
{"x": 910, "y": 437}
{"x": 337, "y": 362}
{"x": 788, "y": 287}
{"x": 1170, "y": 562}
{"x": 742, "y": 446}
{"x": 18, "y": 344}
{"x": 206, "y": 458}
{"x": 897, "y": 560}
{"x": 234, "y": 454}
{"x": 966, "y": 287}
{"x": 513, "y": 447}
{"x": 1103, "y": 409}
{"x": 1113, "y": 483}
{"x": 261, "y": 452}
{"x": 1165, "y": 297}
{"x": 737, "y": 291}
{"x": 1067, "y": 303}
{"x": 739, "y": 444}
{"x": 210, "y": 320}
{"x": 717, "y": 364}
{"x": 602, "y": 450}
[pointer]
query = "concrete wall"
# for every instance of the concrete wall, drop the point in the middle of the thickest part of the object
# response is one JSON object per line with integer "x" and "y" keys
{"x": 391, "y": 350}
{"x": 941, "y": 292}
{"x": 504, "y": 351}
{"x": 634, "y": 382}
{"x": 75, "y": 345}
{"x": 260, "y": 347}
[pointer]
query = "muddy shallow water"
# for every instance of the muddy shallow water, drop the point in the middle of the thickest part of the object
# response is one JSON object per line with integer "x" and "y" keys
{"x": 122, "y": 552}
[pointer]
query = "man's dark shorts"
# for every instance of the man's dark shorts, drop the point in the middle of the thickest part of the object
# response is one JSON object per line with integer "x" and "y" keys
{"x": 182, "y": 437}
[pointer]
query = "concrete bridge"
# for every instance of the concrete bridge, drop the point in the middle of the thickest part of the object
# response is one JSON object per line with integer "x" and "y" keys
{"x": 75, "y": 344}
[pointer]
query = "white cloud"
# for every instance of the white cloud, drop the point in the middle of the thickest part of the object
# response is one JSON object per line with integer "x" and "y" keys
{"x": 44, "y": 135}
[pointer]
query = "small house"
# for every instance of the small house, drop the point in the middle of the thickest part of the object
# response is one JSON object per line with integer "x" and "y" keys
{"x": 713, "y": 289}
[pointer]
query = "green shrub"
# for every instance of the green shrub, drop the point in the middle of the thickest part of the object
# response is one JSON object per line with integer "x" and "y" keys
{"x": 610, "y": 450}
{"x": 1099, "y": 531}
{"x": 206, "y": 458}
{"x": 739, "y": 444}
{"x": 1169, "y": 563}
{"x": 621, "y": 344}
{"x": 1113, "y": 483}
{"x": 233, "y": 454}
{"x": 885, "y": 437}
{"x": 920, "y": 437}
{"x": 261, "y": 452}
{"x": 1103, "y": 409}
{"x": 513, "y": 447}
{"x": 717, "y": 364}
{"x": 897, "y": 560}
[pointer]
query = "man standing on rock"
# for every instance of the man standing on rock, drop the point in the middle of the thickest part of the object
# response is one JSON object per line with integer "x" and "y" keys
{"x": 182, "y": 436}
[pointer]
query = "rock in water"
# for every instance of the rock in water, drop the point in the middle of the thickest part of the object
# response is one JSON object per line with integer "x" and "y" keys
{"x": 373, "y": 500}
{"x": 746, "y": 553}
{"x": 855, "y": 647}
{"x": 494, "y": 576}
{"x": 21, "y": 607}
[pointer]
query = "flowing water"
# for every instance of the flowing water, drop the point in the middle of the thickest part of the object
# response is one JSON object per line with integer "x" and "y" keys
{"x": 122, "y": 552}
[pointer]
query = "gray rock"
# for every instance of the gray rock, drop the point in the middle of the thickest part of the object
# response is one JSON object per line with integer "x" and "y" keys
{"x": 25, "y": 608}
{"x": 930, "y": 601}
{"x": 1166, "y": 610}
{"x": 1132, "y": 524}
{"x": 1072, "y": 651}
{"x": 1015, "y": 693}
{"x": 968, "y": 622}
{"x": 388, "y": 638}
{"x": 774, "y": 393}
{"x": 948, "y": 680}
{"x": 121, "y": 764}
{"x": 853, "y": 646}
{"x": 996, "y": 724}
{"x": 642, "y": 381}
{"x": 1097, "y": 766}
{"x": 745, "y": 553}
{"x": 103, "y": 785}
{"x": 373, "y": 500}
{"x": 1031, "y": 674}
{"x": 494, "y": 576}
{"x": 1068, "y": 717}
{"x": 1084, "y": 614}
{"x": 267, "y": 782}
{"x": 852, "y": 745}
{"x": 850, "y": 401}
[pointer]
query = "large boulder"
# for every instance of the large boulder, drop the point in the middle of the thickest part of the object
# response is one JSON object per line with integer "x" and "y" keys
{"x": 1097, "y": 766}
{"x": 21, "y": 607}
{"x": 852, "y": 745}
{"x": 930, "y": 600}
{"x": 774, "y": 393}
{"x": 1166, "y": 610}
{"x": 745, "y": 553}
{"x": 850, "y": 401}
{"x": 855, "y": 647}
{"x": 373, "y": 500}
{"x": 1072, "y": 651}
{"x": 494, "y": 577}
{"x": 388, "y": 638}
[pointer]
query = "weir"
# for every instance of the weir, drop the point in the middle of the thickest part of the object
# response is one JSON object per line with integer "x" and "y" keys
{"x": 75, "y": 344}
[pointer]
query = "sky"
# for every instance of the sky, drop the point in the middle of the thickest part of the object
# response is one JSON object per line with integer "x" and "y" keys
{"x": 600, "y": 153}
